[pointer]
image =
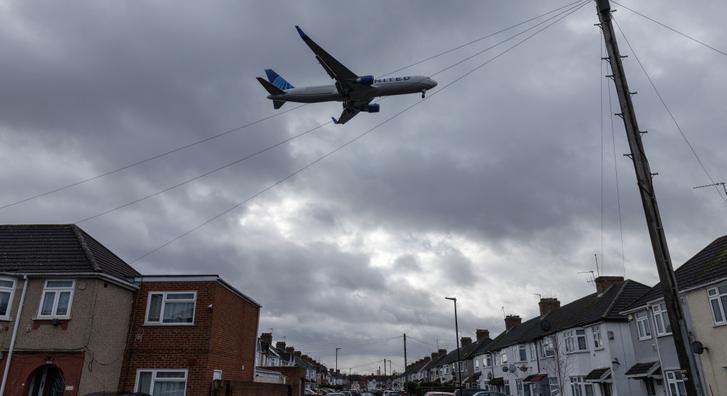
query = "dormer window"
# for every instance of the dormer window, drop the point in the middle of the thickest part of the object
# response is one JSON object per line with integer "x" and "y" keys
{"x": 57, "y": 299}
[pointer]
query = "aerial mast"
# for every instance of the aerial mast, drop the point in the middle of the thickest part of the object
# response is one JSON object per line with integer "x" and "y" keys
{"x": 651, "y": 209}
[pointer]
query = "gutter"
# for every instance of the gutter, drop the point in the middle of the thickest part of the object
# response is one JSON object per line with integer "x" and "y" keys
{"x": 15, "y": 333}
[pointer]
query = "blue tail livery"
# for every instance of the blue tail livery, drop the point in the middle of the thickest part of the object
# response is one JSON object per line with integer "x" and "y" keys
{"x": 277, "y": 80}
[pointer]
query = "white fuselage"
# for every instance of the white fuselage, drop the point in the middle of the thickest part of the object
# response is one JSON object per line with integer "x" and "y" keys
{"x": 385, "y": 86}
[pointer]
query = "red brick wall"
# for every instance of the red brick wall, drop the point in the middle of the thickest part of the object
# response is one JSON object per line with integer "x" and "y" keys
{"x": 234, "y": 335}
{"x": 295, "y": 376}
{"x": 23, "y": 364}
{"x": 223, "y": 337}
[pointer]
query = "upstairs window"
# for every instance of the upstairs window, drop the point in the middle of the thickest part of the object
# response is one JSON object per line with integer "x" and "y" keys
{"x": 597, "y": 340}
{"x": 487, "y": 361}
{"x": 57, "y": 299}
{"x": 575, "y": 340}
{"x": 522, "y": 351}
{"x": 548, "y": 347}
{"x": 643, "y": 325}
{"x": 170, "y": 308}
{"x": 718, "y": 301}
{"x": 503, "y": 358}
{"x": 661, "y": 320}
{"x": 7, "y": 289}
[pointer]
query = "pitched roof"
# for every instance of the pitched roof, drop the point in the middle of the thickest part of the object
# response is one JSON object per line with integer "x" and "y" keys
{"x": 590, "y": 309}
{"x": 57, "y": 248}
{"x": 480, "y": 347}
{"x": 707, "y": 265}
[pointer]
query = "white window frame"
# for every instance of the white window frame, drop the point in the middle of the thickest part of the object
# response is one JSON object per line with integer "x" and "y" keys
{"x": 161, "y": 311}
{"x": 597, "y": 338}
{"x": 503, "y": 358}
{"x": 153, "y": 377}
{"x": 643, "y": 325}
{"x": 11, "y": 290}
{"x": 715, "y": 296}
{"x": 56, "y": 293}
{"x": 520, "y": 349}
{"x": 661, "y": 318}
{"x": 571, "y": 340}
{"x": 548, "y": 341}
{"x": 671, "y": 378}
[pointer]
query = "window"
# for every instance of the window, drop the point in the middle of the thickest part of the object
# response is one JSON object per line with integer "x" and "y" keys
{"x": 487, "y": 361}
{"x": 675, "y": 382}
{"x": 548, "y": 346}
{"x": 477, "y": 365}
{"x": 718, "y": 301}
{"x": 170, "y": 307}
{"x": 554, "y": 387}
{"x": 575, "y": 340}
{"x": 503, "y": 358}
{"x": 597, "y": 341}
{"x": 643, "y": 326}
{"x": 519, "y": 387}
{"x": 7, "y": 289}
{"x": 57, "y": 299}
{"x": 507, "y": 387}
{"x": 579, "y": 387}
{"x": 661, "y": 320}
{"x": 161, "y": 382}
{"x": 522, "y": 351}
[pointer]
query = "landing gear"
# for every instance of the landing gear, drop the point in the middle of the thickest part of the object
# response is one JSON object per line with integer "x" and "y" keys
{"x": 424, "y": 93}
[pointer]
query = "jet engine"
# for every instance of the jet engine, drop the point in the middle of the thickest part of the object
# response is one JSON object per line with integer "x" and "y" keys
{"x": 365, "y": 80}
{"x": 373, "y": 108}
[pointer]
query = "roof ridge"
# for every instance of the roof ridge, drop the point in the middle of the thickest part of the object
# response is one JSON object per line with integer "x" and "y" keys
{"x": 84, "y": 246}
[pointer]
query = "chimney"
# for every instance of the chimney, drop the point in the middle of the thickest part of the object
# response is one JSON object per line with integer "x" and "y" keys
{"x": 280, "y": 345}
{"x": 604, "y": 282}
{"x": 548, "y": 305}
{"x": 442, "y": 352}
{"x": 289, "y": 349}
{"x": 512, "y": 321}
{"x": 464, "y": 341}
{"x": 426, "y": 358}
{"x": 482, "y": 334}
{"x": 298, "y": 353}
{"x": 435, "y": 355}
{"x": 330, "y": 370}
{"x": 266, "y": 338}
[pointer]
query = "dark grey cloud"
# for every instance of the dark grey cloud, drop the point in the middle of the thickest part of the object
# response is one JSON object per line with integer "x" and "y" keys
{"x": 489, "y": 190}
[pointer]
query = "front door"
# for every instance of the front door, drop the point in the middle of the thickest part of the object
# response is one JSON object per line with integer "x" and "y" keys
{"x": 46, "y": 380}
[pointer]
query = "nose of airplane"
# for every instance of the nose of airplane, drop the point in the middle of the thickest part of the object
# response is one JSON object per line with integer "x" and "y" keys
{"x": 431, "y": 83}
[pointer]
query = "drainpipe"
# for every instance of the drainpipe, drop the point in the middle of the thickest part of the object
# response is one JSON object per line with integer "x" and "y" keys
{"x": 15, "y": 333}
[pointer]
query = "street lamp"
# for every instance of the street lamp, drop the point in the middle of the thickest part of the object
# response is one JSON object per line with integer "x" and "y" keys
{"x": 456, "y": 330}
{"x": 337, "y": 349}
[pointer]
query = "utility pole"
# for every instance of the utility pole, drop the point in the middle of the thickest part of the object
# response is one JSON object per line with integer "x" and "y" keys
{"x": 651, "y": 209}
{"x": 406, "y": 376}
{"x": 456, "y": 330}
{"x": 337, "y": 349}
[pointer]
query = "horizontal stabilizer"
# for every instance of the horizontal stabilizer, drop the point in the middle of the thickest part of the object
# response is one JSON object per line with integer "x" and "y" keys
{"x": 278, "y": 104}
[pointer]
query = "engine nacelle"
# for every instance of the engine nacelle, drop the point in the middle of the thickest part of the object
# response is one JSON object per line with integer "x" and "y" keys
{"x": 373, "y": 108}
{"x": 365, "y": 80}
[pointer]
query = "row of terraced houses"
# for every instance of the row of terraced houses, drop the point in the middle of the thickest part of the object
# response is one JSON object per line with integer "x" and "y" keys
{"x": 75, "y": 319}
{"x": 615, "y": 341}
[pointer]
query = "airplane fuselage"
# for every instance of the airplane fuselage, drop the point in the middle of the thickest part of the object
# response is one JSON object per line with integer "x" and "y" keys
{"x": 385, "y": 86}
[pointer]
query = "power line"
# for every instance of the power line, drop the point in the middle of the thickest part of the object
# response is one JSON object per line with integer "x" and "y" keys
{"x": 719, "y": 51}
{"x": 349, "y": 142}
{"x": 241, "y": 127}
{"x": 671, "y": 115}
{"x": 266, "y": 149}
{"x": 481, "y": 38}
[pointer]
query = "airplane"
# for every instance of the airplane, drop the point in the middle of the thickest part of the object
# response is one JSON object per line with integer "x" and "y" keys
{"x": 356, "y": 92}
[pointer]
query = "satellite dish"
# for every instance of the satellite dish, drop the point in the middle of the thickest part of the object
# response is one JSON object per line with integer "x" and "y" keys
{"x": 697, "y": 347}
{"x": 545, "y": 325}
{"x": 512, "y": 368}
{"x": 523, "y": 368}
{"x": 504, "y": 369}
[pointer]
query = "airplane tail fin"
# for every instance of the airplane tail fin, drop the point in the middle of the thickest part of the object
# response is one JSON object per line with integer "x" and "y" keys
{"x": 272, "y": 90}
{"x": 277, "y": 80}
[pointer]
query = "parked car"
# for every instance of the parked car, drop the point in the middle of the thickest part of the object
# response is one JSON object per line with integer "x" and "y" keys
{"x": 489, "y": 393}
{"x": 439, "y": 394}
{"x": 468, "y": 392}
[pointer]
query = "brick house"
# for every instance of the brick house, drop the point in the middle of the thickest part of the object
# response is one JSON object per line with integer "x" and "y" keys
{"x": 65, "y": 304}
{"x": 187, "y": 332}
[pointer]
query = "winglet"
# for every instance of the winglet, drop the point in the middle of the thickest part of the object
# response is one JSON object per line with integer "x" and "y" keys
{"x": 302, "y": 35}
{"x": 335, "y": 121}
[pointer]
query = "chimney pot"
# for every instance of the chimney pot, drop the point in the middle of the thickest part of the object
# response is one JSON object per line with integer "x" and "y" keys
{"x": 512, "y": 321}
{"x": 605, "y": 282}
{"x": 482, "y": 334}
{"x": 548, "y": 305}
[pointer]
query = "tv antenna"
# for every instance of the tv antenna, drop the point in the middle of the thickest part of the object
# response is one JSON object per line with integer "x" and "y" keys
{"x": 598, "y": 272}
{"x": 593, "y": 276}
{"x": 713, "y": 185}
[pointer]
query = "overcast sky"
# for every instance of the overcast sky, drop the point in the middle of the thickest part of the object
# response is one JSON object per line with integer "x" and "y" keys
{"x": 489, "y": 191}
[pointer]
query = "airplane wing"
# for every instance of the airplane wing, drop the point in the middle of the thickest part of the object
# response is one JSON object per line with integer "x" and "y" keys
{"x": 333, "y": 67}
{"x": 350, "y": 109}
